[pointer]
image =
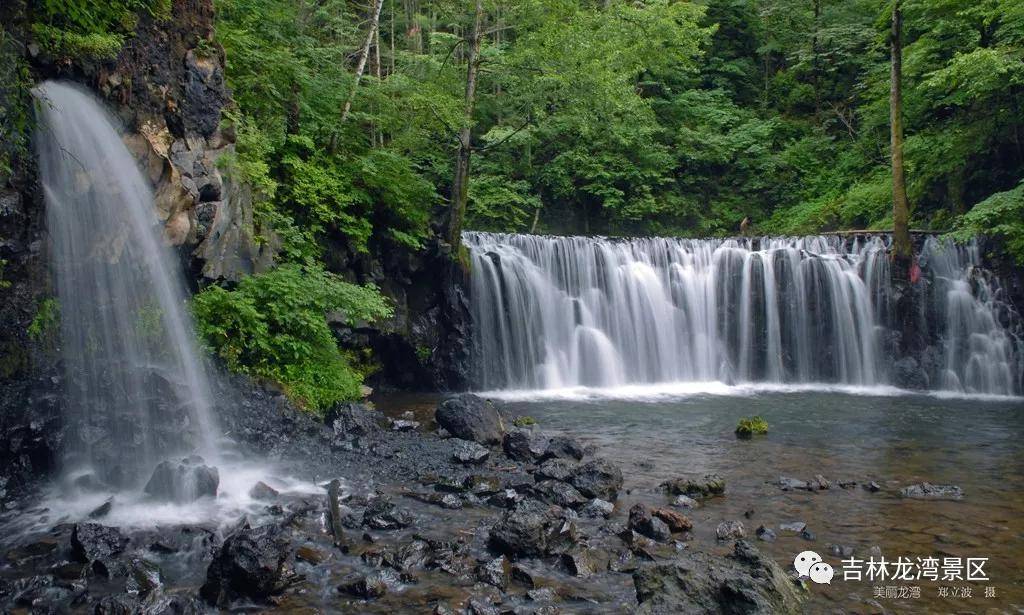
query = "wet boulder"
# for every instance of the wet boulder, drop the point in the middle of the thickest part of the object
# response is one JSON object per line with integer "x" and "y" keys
{"x": 559, "y": 493}
{"x": 598, "y": 478}
{"x": 565, "y": 447}
{"x": 351, "y": 420}
{"x": 470, "y": 417}
{"x": 144, "y": 578}
{"x": 97, "y": 545}
{"x": 183, "y": 482}
{"x": 382, "y": 514}
{"x": 525, "y": 444}
{"x": 555, "y": 469}
{"x": 641, "y": 522}
{"x": 468, "y": 452}
{"x": 495, "y": 572}
{"x": 744, "y": 582}
{"x": 598, "y": 508}
{"x": 253, "y": 563}
{"x": 363, "y": 586}
{"x": 676, "y": 521}
{"x": 526, "y": 530}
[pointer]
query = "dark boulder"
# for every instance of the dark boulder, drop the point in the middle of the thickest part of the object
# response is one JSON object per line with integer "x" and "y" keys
{"x": 144, "y": 578}
{"x": 382, "y": 514}
{"x": 598, "y": 478}
{"x": 525, "y": 444}
{"x": 559, "y": 493}
{"x": 253, "y": 563}
{"x": 470, "y": 417}
{"x": 598, "y": 508}
{"x": 183, "y": 482}
{"x": 495, "y": 572}
{"x": 564, "y": 447}
{"x": 555, "y": 469}
{"x": 263, "y": 491}
{"x": 697, "y": 583}
{"x": 363, "y": 586}
{"x": 468, "y": 452}
{"x": 97, "y": 545}
{"x": 352, "y": 420}
{"x": 643, "y": 523}
{"x": 526, "y": 530}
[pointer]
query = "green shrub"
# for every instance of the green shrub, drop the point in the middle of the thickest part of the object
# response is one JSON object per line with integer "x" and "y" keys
{"x": 44, "y": 324}
{"x": 274, "y": 326}
{"x": 1001, "y": 215}
{"x": 748, "y": 427}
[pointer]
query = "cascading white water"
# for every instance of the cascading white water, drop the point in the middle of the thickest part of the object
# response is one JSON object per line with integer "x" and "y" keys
{"x": 554, "y": 312}
{"x": 138, "y": 390}
{"x": 982, "y": 339}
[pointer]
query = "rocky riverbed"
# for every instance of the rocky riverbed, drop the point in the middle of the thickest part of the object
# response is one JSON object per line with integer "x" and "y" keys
{"x": 463, "y": 512}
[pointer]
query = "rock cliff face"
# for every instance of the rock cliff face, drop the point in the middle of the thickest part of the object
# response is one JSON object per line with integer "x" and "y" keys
{"x": 167, "y": 86}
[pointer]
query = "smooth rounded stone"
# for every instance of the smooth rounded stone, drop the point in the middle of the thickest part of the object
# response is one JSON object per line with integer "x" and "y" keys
{"x": 363, "y": 586}
{"x": 382, "y": 514}
{"x": 684, "y": 501}
{"x": 598, "y": 508}
{"x": 928, "y": 491}
{"x": 729, "y": 530}
{"x": 525, "y": 531}
{"x": 263, "y": 491}
{"x": 525, "y": 444}
{"x": 642, "y": 522}
{"x": 707, "y": 486}
{"x": 559, "y": 493}
{"x": 598, "y": 478}
{"x": 794, "y": 526}
{"x": 468, "y": 452}
{"x": 470, "y": 417}
{"x": 766, "y": 534}
{"x": 495, "y": 572}
{"x": 677, "y": 522}
{"x": 183, "y": 482}
{"x": 253, "y": 563}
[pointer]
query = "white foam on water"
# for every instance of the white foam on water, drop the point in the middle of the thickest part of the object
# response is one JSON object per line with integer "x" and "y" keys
{"x": 684, "y": 390}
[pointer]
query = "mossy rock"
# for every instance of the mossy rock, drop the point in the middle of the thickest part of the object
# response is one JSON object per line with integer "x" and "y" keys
{"x": 524, "y": 421}
{"x": 752, "y": 426}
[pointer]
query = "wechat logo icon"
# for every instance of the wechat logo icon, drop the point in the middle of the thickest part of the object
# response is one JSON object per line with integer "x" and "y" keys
{"x": 809, "y": 564}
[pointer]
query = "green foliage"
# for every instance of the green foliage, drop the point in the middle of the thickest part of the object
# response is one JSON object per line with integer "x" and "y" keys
{"x": 751, "y": 426}
{"x": 46, "y": 320}
{"x": 274, "y": 326}
{"x": 62, "y": 43}
{"x": 90, "y": 29}
{"x": 524, "y": 421}
{"x": 1001, "y": 215}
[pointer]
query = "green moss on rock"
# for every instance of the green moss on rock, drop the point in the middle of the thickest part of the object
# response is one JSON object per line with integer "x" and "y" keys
{"x": 751, "y": 426}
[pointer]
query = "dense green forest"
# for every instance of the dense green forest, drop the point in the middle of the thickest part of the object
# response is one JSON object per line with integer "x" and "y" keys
{"x": 624, "y": 117}
{"x": 367, "y": 125}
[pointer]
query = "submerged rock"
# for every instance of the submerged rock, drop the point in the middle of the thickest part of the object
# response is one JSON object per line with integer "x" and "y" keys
{"x": 470, "y": 417}
{"x": 183, "y": 482}
{"x": 253, "y": 563}
{"x": 706, "y": 486}
{"x": 928, "y": 491}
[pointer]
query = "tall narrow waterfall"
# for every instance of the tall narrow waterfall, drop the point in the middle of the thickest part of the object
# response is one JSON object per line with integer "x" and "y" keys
{"x": 552, "y": 312}
{"x": 137, "y": 389}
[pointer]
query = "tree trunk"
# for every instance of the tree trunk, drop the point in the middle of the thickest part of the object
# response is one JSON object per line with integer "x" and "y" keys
{"x": 901, "y": 246}
{"x": 364, "y": 53}
{"x": 460, "y": 185}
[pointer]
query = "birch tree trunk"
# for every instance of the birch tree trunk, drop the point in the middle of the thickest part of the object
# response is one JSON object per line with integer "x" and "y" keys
{"x": 364, "y": 53}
